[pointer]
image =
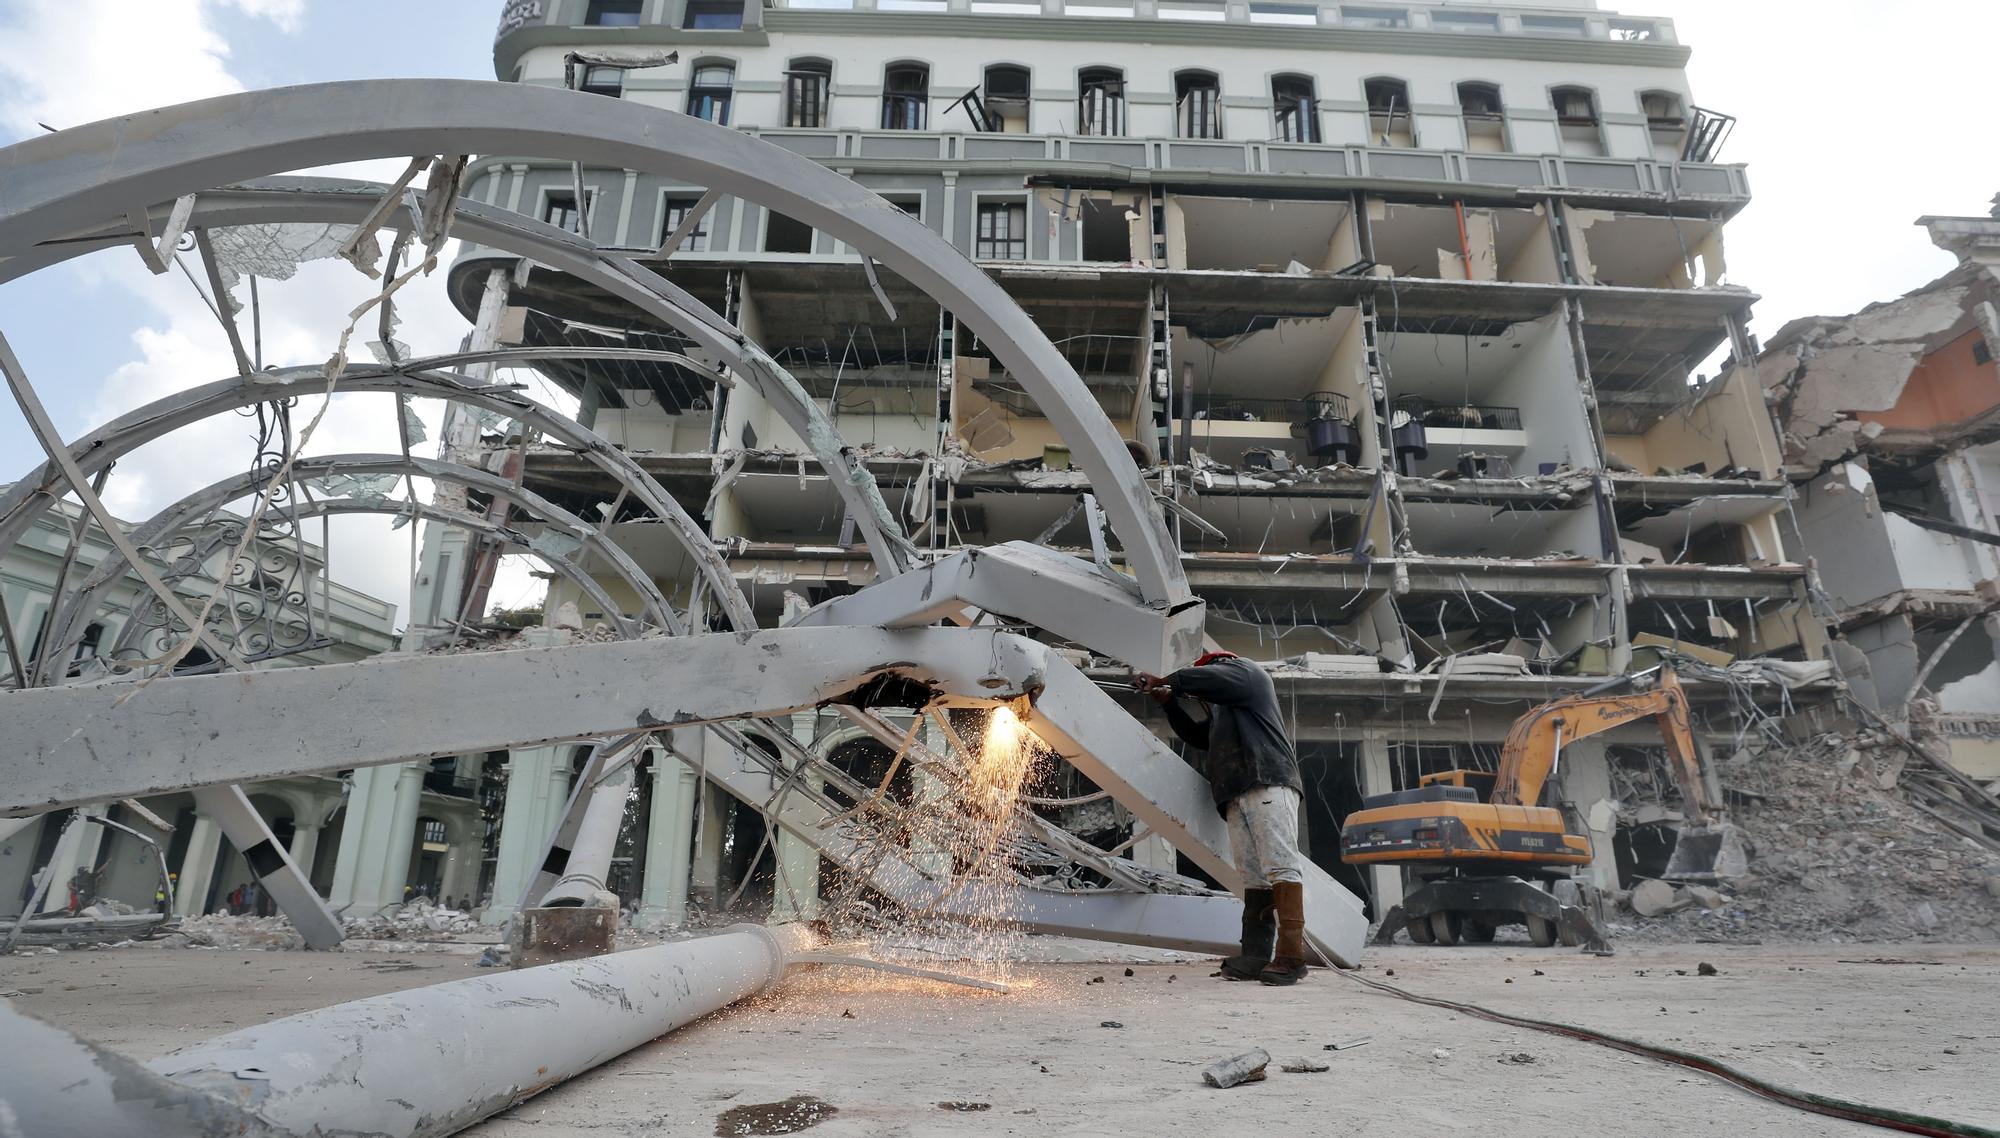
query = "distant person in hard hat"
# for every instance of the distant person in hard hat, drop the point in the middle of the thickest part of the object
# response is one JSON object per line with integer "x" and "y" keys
{"x": 1254, "y": 774}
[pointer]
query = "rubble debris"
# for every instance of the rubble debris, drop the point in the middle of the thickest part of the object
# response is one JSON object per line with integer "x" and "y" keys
{"x": 1245, "y": 1068}
{"x": 1838, "y": 858}
{"x": 965, "y": 1107}
{"x": 1350, "y": 1044}
{"x": 1303, "y": 1067}
{"x": 1656, "y": 898}
{"x": 1111, "y": 1023}
{"x": 1704, "y": 968}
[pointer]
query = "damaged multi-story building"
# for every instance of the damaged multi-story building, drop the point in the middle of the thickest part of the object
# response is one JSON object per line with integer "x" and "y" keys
{"x": 1414, "y": 317}
{"x": 1891, "y": 417}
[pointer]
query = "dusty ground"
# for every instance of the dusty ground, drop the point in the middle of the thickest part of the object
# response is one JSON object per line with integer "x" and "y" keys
{"x": 1918, "y": 1036}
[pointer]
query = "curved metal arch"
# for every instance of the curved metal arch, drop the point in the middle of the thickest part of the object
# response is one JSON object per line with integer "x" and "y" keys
{"x": 35, "y": 493}
{"x": 321, "y": 200}
{"x": 505, "y": 536}
{"x": 63, "y": 185}
{"x": 75, "y": 613}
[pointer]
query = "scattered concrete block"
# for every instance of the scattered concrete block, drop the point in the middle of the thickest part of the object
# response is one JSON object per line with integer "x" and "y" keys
{"x": 1658, "y": 898}
{"x": 1245, "y": 1068}
{"x": 1707, "y": 898}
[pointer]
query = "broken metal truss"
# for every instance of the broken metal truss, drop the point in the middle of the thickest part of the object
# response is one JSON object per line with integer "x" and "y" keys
{"x": 148, "y": 178}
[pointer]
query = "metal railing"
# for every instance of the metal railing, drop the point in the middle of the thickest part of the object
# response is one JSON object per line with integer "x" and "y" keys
{"x": 1466, "y": 416}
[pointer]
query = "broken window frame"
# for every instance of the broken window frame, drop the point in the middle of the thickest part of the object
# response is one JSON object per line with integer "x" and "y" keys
{"x": 990, "y": 100}
{"x": 674, "y": 210}
{"x": 1295, "y": 104}
{"x": 1100, "y": 102}
{"x": 1197, "y": 104}
{"x": 614, "y": 13}
{"x": 906, "y": 96}
{"x": 1388, "y": 98}
{"x": 809, "y": 93}
{"x": 710, "y": 96}
{"x": 1665, "y": 111}
{"x": 1000, "y": 229}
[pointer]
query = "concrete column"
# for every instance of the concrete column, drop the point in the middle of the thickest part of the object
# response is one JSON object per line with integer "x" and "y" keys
{"x": 705, "y": 870}
{"x": 77, "y": 849}
{"x": 305, "y": 844}
{"x": 1585, "y": 772}
{"x": 526, "y": 819}
{"x": 1385, "y": 881}
{"x": 374, "y": 861}
{"x": 1155, "y": 852}
{"x": 197, "y": 867}
{"x": 663, "y": 894}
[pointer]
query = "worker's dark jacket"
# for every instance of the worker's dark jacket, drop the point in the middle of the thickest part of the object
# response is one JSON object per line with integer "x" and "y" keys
{"x": 1244, "y": 734}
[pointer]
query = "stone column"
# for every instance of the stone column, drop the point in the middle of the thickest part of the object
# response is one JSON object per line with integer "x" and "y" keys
{"x": 1585, "y": 771}
{"x": 1385, "y": 881}
{"x": 197, "y": 867}
{"x": 1156, "y": 853}
{"x": 663, "y": 894}
{"x": 374, "y": 860}
{"x": 526, "y": 819}
{"x": 77, "y": 849}
{"x": 305, "y": 845}
{"x": 705, "y": 871}
{"x": 795, "y": 893}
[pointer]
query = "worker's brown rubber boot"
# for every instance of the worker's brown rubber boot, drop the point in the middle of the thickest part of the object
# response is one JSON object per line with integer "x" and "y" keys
{"x": 1260, "y": 937}
{"x": 1288, "y": 963}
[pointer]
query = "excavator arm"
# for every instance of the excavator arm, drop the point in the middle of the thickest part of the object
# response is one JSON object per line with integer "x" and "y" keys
{"x": 1534, "y": 745}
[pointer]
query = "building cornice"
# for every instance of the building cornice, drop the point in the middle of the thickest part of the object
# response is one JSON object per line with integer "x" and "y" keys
{"x": 508, "y": 49}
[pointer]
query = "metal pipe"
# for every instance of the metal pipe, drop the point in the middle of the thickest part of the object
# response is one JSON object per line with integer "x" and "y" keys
{"x": 431, "y": 1061}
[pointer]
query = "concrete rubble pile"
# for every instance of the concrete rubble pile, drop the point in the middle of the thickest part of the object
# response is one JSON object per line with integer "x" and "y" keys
{"x": 1838, "y": 858}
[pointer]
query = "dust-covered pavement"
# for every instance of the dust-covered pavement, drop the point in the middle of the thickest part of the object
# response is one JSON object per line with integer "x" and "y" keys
{"x": 885, "y": 1052}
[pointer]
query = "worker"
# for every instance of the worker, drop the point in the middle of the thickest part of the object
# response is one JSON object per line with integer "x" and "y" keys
{"x": 1254, "y": 775}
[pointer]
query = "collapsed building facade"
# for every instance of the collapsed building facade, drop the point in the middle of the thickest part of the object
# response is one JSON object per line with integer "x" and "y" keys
{"x": 1889, "y": 420}
{"x": 1410, "y": 315}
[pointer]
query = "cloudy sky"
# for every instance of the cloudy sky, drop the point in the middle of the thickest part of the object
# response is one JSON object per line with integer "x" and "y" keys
{"x": 1855, "y": 119}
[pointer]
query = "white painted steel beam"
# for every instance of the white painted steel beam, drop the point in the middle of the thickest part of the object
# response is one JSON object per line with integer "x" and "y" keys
{"x": 1030, "y": 583}
{"x": 67, "y": 185}
{"x": 272, "y": 864}
{"x": 82, "y": 743}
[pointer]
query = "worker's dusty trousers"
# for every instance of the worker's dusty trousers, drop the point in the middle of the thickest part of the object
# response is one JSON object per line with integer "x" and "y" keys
{"x": 1264, "y": 835}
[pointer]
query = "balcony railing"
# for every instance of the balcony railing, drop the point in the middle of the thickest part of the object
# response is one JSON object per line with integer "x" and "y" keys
{"x": 1464, "y": 416}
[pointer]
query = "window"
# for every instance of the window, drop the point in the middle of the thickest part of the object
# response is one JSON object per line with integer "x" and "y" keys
{"x": 560, "y": 209}
{"x": 1200, "y": 13}
{"x": 1571, "y": 26}
{"x": 1355, "y": 17}
{"x": 710, "y": 90}
{"x": 613, "y": 13}
{"x": 1003, "y": 232}
{"x": 433, "y": 832}
{"x": 906, "y": 97}
{"x": 1388, "y": 112}
{"x": 1197, "y": 105}
{"x": 784, "y": 235}
{"x": 1634, "y": 31}
{"x": 1479, "y": 100}
{"x": 1284, "y": 14}
{"x": 1100, "y": 101}
{"x": 1297, "y": 108}
{"x": 1006, "y": 98}
{"x": 603, "y": 81}
{"x": 1575, "y": 106}
{"x": 713, "y": 15}
{"x": 1663, "y": 110}
{"x": 1465, "y": 21}
{"x": 675, "y": 213}
{"x": 807, "y": 83}
{"x": 912, "y": 204}
{"x": 93, "y": 635}
{"x": 1484, "y": 118}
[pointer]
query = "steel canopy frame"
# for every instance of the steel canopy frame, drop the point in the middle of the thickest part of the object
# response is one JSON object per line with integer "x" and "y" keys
{"x": 67, "y": 745}
{"x": 66, "y": 185}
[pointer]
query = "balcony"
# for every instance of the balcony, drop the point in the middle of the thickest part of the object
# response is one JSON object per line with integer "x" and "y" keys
{"x": 1269, "y": 162}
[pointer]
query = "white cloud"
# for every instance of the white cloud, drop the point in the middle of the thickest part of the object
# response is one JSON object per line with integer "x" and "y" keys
{"x": 83, "y": 60}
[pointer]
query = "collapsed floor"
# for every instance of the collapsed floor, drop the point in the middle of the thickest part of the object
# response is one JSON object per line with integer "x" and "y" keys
{"x": 893, "y": 1056}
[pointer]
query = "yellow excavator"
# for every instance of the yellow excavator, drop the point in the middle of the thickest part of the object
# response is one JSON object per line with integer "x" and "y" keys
{"x": 1472, "y": 838}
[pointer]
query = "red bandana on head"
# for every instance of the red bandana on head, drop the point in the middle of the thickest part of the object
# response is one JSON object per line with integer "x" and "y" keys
{"x": 1212, "y": 657}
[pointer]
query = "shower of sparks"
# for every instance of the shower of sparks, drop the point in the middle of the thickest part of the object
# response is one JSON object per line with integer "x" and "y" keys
{"x": 958, "y": 828}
